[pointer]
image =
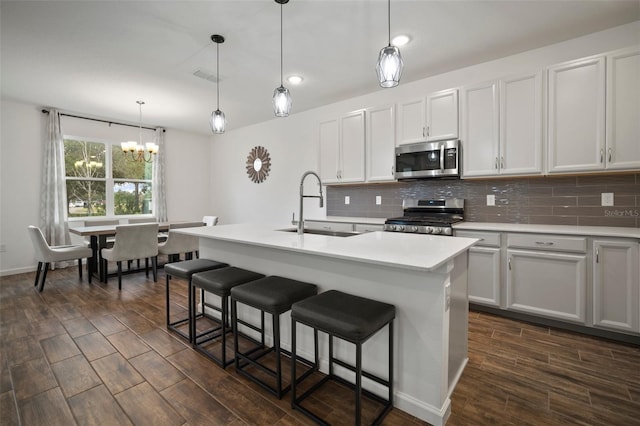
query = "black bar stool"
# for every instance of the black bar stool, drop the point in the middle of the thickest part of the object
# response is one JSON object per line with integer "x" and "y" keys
{"x": 273, "y": 295}
{"x": 351, "y": 318}
{"x": 185, "y": 270}
{"x": 219, "y": 282}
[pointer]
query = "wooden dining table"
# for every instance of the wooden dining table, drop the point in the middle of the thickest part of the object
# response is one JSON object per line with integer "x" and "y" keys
{"x": 98, "y": 240}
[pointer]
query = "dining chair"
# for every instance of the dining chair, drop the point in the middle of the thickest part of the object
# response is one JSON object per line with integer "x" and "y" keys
{"x": 138, "y": 241}
{"x": 180, "y": 243}
{"x": 210, "y": 220}
{"x": 142, "y": 220}
{"x": 46, "y": 254}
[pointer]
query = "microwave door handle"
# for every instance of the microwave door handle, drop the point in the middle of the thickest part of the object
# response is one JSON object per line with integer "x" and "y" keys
{"x": 442, "y": 157}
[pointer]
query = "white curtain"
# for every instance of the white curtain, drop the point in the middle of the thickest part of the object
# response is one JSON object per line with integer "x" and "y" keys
{"x": 53, "y": 196}
{"x": 159, "y": 187}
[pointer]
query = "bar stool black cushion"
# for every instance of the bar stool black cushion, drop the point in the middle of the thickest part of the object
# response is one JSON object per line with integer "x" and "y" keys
{"x": 346, "y": 316}
{"x": 351, "y": 318}
{"x": 185, "y": 270}
{"x": 274, "y": 295}
{"x": 219, "y": 282}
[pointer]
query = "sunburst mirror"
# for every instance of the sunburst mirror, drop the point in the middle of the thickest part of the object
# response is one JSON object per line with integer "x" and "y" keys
{"x": 258, "y": 164}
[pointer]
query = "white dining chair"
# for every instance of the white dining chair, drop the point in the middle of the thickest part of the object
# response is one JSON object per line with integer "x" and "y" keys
{"x": 46, "y": 254}
{"x": 179, "y": 243}
{"x": 210, "y": 220}
{"x": 138, "y": 241}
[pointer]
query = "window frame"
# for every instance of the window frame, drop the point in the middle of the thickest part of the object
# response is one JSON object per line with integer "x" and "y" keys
{"x": 109, "y": 180}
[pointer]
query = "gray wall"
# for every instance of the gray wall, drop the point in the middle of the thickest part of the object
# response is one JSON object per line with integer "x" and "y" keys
{"x": 560, "y": 200}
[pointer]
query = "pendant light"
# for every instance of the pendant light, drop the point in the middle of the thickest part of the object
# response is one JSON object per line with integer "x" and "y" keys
{"x": 281, "y": 96}
{"x": 389, "y": 67}
{"x": 218, "y": 120}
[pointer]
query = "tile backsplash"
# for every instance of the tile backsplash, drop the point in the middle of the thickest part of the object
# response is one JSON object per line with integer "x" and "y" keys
{"x": 570, "y": 200}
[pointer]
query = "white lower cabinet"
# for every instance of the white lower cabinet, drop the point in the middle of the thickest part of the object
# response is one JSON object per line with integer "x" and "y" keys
{"x": 484, "y": 268}
{"x": 547, "y": 276}
{"x": 616, "y": 285}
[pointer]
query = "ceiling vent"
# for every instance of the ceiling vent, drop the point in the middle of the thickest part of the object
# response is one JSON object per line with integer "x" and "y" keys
{"x": 206, "y": 75}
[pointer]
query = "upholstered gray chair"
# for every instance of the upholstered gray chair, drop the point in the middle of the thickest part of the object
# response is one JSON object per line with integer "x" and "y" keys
{"x": 46, "y": 254}
{"x": 180, "y": 243}
{"x": 134, "y": 242}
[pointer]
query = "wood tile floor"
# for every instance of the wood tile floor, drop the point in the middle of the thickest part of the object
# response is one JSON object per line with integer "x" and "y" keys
{"x": 82, "y": 353}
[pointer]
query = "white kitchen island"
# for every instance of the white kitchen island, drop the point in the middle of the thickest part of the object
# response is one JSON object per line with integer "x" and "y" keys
{"x": 424, "y": 276}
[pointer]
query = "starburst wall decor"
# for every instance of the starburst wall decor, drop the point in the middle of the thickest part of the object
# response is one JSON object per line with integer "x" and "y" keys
{"x": 258, "y": 164}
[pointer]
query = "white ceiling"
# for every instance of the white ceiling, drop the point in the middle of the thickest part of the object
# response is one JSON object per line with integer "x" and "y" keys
{"x": 98, "y": 57}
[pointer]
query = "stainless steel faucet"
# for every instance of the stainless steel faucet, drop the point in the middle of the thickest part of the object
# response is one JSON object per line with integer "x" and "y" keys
{"x": 302, "y": 197}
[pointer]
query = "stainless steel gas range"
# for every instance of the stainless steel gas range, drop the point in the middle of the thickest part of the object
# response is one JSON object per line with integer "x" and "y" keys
{"x": 427, "y": 216}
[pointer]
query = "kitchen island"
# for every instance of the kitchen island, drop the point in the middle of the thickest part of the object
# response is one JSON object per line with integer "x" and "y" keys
{"x": 424, "y": 276}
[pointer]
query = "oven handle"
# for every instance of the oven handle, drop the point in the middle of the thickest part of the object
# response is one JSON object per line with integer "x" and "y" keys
{"x": 442, "y": 157}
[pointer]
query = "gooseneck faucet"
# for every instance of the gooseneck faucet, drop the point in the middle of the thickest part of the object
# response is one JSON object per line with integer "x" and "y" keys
{"x": 302, "y": 197}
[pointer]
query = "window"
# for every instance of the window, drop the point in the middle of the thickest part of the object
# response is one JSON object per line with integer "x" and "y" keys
{"x": 101, "y": 181}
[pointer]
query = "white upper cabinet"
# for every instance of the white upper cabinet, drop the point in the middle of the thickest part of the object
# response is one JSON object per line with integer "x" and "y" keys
{"x": 341, "y": 149}
{"x": 479, "y": 136}
{"x": 502, "y": 127}
{"x": 442, "y": 115}
{"x": 521, "y": 125}
{"x": 428, "y": 119}
{"x": 623, "y": 109}
{"x": 576, "y": 99}
{"x": 380, "y": 143}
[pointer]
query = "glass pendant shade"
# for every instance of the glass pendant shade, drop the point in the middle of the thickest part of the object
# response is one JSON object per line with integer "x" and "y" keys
{"x": 389, "y": 67}
{"x": 281, "y": 101}
{"x": 218, "y": 121}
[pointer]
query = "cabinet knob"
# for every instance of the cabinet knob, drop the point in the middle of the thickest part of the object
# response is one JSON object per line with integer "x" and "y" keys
{"x": 502, "y": 162}
{"x": 602, "y": 155}
{"x": 609, "y": 155}
{"x": 496, "y": 164}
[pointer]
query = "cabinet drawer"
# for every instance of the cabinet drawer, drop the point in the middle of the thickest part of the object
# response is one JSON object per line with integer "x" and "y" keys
{"x": 487, "y": 239}
{"x": 367, "y": 227}
{"x": 329, "y": 226}
{"x": 547, "y": 242}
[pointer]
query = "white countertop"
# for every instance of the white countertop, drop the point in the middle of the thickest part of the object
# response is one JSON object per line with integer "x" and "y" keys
{"x": 350, "y": 219}
{"x": 595, "y": 231}
{"x": 411, "y": 251}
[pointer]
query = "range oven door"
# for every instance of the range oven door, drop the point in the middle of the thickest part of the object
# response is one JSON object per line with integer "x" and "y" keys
{"x": 428, "y": 159}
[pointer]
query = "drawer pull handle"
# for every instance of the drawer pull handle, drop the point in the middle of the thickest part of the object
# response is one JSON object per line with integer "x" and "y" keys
{"x": 509, "y": 263}
{"x": 544, "y": 243}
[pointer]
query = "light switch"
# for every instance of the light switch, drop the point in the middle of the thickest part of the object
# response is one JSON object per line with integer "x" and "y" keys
{"x": 347, "y": 199}
{"x": 378, "y": 200}
{"x": 607, "y": 199}
{"x": 491, "y": 200}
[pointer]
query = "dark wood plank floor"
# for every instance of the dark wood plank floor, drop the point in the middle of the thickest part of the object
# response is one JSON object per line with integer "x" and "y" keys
{"x": 82, "y": 353}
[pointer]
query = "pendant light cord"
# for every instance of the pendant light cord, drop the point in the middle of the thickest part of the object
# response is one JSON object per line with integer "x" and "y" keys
{"x": 140, "y": 122}
{"x": 389, "y": 17}
{"x": 281, "y": 60}
{"x": 218, "y": 76}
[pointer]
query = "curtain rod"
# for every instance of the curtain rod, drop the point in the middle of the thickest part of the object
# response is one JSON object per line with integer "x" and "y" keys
{"x": 110, "y": 122}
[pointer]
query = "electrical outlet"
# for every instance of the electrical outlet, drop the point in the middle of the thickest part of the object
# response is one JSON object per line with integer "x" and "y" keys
{"x": 347, "y": 199}
{"x": 3, "y": 248}
{"x": 607, "y": 198}
{"x": 491, "y": 200}
{"x": 378, "y": 200}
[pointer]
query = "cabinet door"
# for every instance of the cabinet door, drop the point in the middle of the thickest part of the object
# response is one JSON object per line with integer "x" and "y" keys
{"x": 547, "y": 284}
{"x": 381, "y": 143}
{"x": 576, "y": 116}
{"x": 615, "y": 285}
{"x": 521, "y": 125}
{"x": 411, "y": 121}
{"x": 352, "y": 148}
{"x": 484, "y": 275}
{"x": 623, "y": 109}
{"x": 329, "y": 146}
{"x": 480, "y": 130}
{"x": 442, "y": 115}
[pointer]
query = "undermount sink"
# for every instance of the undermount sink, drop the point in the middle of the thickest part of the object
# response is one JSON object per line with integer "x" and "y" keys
{"x": 324, "y": 232}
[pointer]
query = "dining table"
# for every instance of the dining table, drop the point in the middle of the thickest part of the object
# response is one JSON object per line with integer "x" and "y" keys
{"x": 98, "y": 240}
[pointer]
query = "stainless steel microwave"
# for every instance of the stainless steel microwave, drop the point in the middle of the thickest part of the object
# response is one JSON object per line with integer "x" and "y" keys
{"x": 428, "y": 160}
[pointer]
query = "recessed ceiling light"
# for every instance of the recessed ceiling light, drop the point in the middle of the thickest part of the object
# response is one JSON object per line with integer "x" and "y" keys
{"x": 400, "y": 40}
{"x": 294, "y": 79}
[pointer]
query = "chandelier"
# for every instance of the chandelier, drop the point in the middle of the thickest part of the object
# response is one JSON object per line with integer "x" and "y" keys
{"x": 140, "y": 152}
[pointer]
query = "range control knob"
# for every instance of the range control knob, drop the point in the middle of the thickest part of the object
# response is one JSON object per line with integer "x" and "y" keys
{"x": 413, "y": 229}
{"x": 399, "y": 227}
{"x": 429, "y": 230}
{"x": 437, "y": 230}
